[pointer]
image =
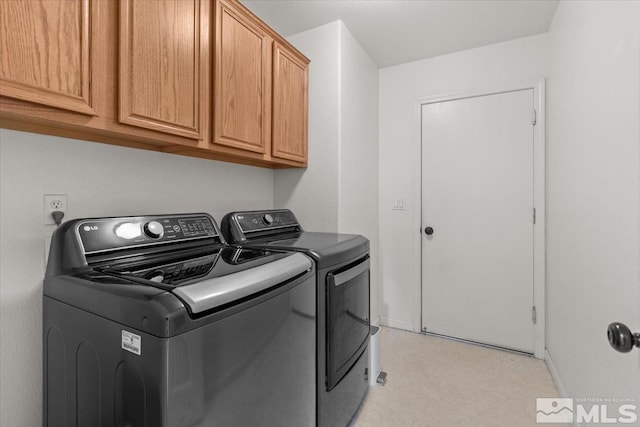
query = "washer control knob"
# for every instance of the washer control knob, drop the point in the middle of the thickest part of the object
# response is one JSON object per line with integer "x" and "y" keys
{"x": 154, "y": 229}
{"x": 268, "y": 219}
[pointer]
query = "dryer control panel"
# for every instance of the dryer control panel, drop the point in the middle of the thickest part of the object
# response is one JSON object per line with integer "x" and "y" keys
{"x": 108, "y": 234}
{"x": 240, "y": 227}
{"x": 254, "y": 221}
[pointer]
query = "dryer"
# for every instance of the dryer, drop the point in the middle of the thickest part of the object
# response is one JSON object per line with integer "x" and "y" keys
{"x": 342, "y": 303}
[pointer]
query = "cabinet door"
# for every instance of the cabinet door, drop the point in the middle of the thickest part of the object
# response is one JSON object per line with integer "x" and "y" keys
{"x": 164, "y": 55}
{"x": 45, "y": 53}
{"x": 242, "y": 87}
{"x": 290, "y": 105}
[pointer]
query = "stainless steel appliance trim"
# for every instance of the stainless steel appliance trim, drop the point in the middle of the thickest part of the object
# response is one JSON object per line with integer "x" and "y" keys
{"x": 218, "y": 291}
{"x": 345, "y": 276}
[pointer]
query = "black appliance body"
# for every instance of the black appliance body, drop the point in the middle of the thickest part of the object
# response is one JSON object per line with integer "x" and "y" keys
{"x": 343, "y": 276}
{"x": 155, "y": 321}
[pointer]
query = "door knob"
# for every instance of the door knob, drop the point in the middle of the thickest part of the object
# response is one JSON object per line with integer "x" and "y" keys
{"x": 621, "y": 338}
{"x": 428, "y": 231}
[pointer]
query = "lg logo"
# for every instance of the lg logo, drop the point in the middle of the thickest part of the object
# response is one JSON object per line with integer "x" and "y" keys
{"x": 90, "y": 227}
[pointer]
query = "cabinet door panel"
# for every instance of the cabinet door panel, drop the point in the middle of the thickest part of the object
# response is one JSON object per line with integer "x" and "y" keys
{"x": 164, "y": 52}
{"x": 45, "y": 53}
{"x": 290, "y": 105}
{"x": 241, "y": 82}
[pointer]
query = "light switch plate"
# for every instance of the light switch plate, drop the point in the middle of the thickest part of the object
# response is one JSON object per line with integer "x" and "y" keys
{"x": 398, "y": 205}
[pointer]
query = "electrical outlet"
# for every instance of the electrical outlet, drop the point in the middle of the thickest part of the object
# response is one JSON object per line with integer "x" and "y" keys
{"x": 52, "y": 203}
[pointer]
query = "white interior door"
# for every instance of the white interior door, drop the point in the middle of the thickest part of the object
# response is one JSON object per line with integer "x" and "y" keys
{"x": 477, "y": 195}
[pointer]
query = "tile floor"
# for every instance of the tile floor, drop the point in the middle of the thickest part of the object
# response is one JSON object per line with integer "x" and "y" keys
{"x": 438, "y": 382}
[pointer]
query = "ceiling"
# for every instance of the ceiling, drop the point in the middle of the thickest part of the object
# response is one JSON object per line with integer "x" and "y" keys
{"x": 398, "y": 31}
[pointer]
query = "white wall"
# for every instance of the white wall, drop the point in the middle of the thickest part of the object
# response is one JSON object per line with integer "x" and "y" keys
{"x": 312, "y": 193}
{"x": 399, "y": 178}
{"x": 100, "y": 180}
{"x": 338, "y": 191}
{"x": 593, "y": 150}
{"x": 358, "y": 156}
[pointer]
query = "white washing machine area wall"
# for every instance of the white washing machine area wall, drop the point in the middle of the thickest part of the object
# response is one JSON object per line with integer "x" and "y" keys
{"x": 343, "y": 285}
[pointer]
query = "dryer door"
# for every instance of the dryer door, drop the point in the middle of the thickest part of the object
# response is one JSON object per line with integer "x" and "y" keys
{"x": 347, "y": 318}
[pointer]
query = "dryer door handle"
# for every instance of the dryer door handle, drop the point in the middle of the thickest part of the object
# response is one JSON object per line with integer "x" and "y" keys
{"x": 345, "y": 276}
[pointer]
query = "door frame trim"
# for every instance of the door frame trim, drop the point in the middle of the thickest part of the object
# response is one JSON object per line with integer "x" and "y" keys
{"x": 539, "y": 199}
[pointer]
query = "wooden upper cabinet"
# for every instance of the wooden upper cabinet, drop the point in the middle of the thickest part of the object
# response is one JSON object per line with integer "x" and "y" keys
{"x": 241, "y": 81}
{"x": 164, "y": 65}
{"x": 290, "y": 104}
{"x": 45, "y": 53}
{"x": 139, "y": 73}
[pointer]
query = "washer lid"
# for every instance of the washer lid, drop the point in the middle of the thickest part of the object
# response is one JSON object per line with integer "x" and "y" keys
{"x": 213, "y": 277}
{"x": 218, "y": 291}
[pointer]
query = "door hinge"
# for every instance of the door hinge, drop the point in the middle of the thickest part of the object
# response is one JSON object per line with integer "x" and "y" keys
{"x": 534, "y": 216}
{"x": 534, "y": 315}
{"x": 534, "y": 118}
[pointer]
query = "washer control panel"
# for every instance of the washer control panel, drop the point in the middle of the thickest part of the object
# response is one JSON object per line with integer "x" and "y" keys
{"x": 265, "y": 220}
{"x": 107, "y": 234}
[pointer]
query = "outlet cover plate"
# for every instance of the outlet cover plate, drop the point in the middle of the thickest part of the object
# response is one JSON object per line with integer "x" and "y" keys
{"x": 54, "y": 202}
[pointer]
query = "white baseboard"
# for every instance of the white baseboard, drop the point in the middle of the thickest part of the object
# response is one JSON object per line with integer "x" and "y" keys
{"x": 556, "y": 379}
{"x": 397, "y": 324}
{"x": 554, "y": 374}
